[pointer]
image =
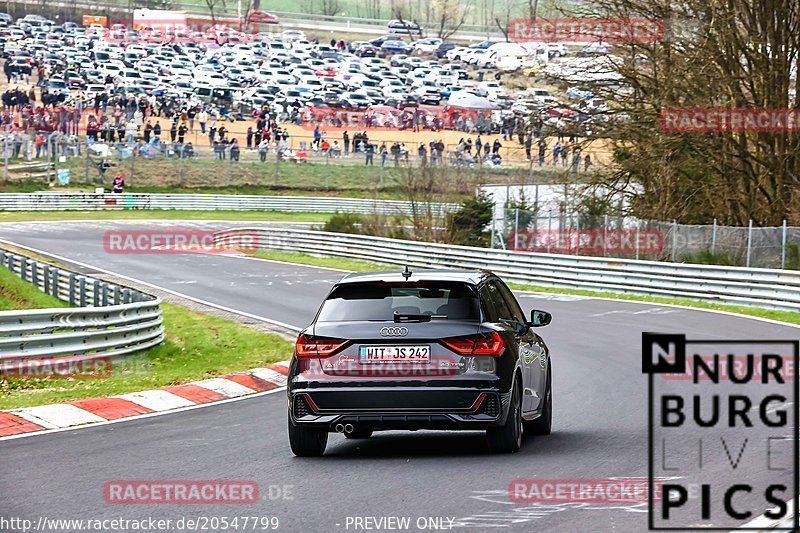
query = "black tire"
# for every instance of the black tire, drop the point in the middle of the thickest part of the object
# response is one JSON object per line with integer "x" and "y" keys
{"x": 307, "y": 442}
{"x": 544, "y": 424}
{"x": 359, "y": 434}
{"x": 508, "y": 437}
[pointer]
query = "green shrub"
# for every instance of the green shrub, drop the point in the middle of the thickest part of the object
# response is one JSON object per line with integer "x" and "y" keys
{"x": 344, "y": 223}
{"x": 467, "y": 225}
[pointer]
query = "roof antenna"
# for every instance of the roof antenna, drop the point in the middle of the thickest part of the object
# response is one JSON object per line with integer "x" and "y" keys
{"x": 407, "y": 273}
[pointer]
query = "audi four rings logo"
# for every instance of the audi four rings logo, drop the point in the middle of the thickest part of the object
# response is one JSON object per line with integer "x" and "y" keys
{"x": 394, "y": 332}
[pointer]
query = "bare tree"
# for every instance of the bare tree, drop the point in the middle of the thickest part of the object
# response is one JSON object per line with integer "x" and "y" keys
{"x": 737, "y": 54}
{"x": 449, "y": 16}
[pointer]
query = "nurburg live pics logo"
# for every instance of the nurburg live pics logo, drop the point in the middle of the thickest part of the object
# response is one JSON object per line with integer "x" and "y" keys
{"x": 727, "y": 436}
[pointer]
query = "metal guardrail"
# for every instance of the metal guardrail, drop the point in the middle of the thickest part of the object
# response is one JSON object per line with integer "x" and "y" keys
{"x": 774, "y": 289}
{"x": 52, "y": 201}
{"x": 105, "y": 320}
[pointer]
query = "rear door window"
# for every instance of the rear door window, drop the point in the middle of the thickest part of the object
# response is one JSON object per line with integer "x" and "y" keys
{"x": 499, "y": 302}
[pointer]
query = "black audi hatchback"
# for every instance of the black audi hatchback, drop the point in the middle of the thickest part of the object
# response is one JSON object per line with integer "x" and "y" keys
{"x": 432, "y": 349}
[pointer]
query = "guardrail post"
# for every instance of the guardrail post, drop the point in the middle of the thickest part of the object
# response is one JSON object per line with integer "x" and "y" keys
{"x": 104, "y": 295}
{"x": 714, "y": 237}
{"x": 35, "y": 274}
{"x": 117, "y": 295}
{"x": 47, "y": 279}
{"x": 749, "y": 240}
{"x": 96, "y": 293}
{"x": 72, "y": 289}
{"x": 783, "y": 245}
{"x": 674, "y": 240}
{"x": 23, "y": 268}
{"x": 82, "y": 291}
{"x": 126, "y": 296}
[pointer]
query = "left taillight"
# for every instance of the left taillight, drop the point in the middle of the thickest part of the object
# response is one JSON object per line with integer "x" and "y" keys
{"x": 491, "y": 344}
{"x": 311, "y": 346}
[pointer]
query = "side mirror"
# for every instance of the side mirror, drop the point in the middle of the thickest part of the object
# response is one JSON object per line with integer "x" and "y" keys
{"x": 540, "y": 318}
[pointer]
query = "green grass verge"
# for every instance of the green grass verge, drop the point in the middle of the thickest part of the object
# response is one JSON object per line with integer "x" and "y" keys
{"x": 16, "y": 294}
{"x": 146, "y": 214}
{"x": 341, "y": 263}
{"x": 197, "y": 346}
{"x": 356, "y": 265}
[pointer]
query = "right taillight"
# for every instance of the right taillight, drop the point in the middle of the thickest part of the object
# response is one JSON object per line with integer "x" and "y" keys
{"x": 311, "y": 346}
{"x": 491, "y": 344}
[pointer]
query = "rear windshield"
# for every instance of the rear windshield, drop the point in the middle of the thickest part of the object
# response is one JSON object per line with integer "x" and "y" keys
{"x": 380, "y": 301}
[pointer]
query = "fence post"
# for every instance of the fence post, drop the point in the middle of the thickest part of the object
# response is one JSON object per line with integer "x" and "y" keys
{"x": 5, "y": 157}
{"x": 491, "y": 245}
{"x": 327, "y": 168}
{"x": 714, "y": 238}
{"x": 749, "y": 240}
{"x": 605, "y": 235}
{"x": 674, "y": 240}
{"x": 87, "y": 159}
{"x": 516, "y": 226}
{"x": 549, "y": 228}
{"x": 49, "y": 143}
{"x": 638, "y": 235}
{"x": 783, "y": 245}
{"x": 229, "y": 168}
{"x": 180, "y": 168}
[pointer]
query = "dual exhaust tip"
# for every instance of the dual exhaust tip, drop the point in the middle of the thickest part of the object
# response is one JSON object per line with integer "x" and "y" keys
{"x": 343, "y": 428}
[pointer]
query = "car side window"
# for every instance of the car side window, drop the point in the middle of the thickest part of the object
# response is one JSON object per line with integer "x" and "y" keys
{"x": 513, "y": 305}
{"x": 499, "y": 302}
{"x": 487, "y": 303}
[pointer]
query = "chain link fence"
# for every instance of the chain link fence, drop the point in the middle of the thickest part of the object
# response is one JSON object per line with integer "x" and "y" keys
{"x": 628, "y": 237}
{"x": 292, "y": 161}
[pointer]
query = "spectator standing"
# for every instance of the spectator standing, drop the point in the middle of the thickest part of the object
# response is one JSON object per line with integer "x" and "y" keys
{"x": 202, "y": 119}
{"x": 249, "y": 137}
{"x": 369, "y": 152}
{"x": 119, "y": 184}
{"x": 587, "y": 162}
{"x": 234, "y": 147}
{"x": 346, "y": 143}
{"x": 263, "y": 148}
{"x": 422, "y": 152}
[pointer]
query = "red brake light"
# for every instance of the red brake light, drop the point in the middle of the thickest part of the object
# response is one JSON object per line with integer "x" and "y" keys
{"x": 492, "y": 344}
{"x": 310, "y": 346}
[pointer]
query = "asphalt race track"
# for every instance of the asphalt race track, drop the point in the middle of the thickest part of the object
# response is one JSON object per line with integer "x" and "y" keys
{"x": 600, "y": 415}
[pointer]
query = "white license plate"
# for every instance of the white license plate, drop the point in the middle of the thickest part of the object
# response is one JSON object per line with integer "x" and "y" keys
{"x": 388, "y": 354}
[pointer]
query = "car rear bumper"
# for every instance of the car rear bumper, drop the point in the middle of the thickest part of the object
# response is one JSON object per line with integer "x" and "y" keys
{"x": 383, "y": 408}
